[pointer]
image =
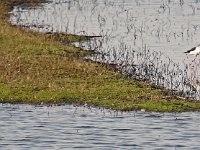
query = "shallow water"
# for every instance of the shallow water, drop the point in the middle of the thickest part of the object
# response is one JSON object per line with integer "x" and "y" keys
{"x": 69, "y": 127}
{"x": 170, "y": 26}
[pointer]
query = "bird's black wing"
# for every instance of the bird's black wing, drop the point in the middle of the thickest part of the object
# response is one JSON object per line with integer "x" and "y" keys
{"x": 190, "y": 50}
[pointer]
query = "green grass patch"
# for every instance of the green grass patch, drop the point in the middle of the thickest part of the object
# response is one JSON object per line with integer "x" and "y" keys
{"x": 44, "y": 68}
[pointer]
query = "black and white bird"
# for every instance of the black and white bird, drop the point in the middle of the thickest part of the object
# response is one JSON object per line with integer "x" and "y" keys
{"x": 194, "y": 51}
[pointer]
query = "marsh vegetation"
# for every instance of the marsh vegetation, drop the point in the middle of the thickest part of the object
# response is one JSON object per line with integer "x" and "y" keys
{"x": 40, "y": 68}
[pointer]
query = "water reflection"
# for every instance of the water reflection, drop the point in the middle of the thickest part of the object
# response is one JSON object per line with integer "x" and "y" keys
{"x": 65, "y": 127}
{"x": 144, "y": 38}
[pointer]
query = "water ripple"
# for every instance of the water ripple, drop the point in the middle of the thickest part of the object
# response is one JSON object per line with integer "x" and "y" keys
{"x": 32, "y": 127}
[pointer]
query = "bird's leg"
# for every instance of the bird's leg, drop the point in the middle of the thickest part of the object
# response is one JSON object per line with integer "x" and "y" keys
{"x": 194, "y": 74}
{"x": 194, "y": 59}
{"x": 192, "y": 64}
{"x": 192, "y": 71}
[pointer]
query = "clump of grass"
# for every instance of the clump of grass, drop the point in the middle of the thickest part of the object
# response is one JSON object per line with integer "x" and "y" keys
{"x": 67, "y": 38}
{"x": 35, "y": 68}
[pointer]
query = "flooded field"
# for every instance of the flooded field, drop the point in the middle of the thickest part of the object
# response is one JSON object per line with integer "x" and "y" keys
{"x": 146, "y": 39}
{"x": 69, "y": 127}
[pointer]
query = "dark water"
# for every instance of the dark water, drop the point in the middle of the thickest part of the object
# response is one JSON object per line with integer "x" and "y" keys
{"x": 68, "y": 127}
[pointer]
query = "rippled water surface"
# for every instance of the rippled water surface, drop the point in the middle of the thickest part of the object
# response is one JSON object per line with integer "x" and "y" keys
{"x": 68, "y": 127}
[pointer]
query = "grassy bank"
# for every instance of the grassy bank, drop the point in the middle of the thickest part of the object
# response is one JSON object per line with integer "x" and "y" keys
{"x": 35, "y": 69}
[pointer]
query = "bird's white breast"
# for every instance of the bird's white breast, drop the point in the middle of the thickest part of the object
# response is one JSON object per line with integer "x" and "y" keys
{"x": 196, "y": 51}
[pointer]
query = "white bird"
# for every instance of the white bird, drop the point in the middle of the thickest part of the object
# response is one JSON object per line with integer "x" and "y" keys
{"x": 194, "y": 51}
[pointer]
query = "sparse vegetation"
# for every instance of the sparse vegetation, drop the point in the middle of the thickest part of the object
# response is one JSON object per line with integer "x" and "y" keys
{"x": 36, "y": 68}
